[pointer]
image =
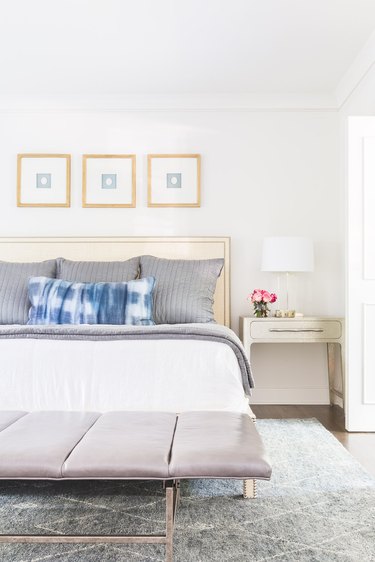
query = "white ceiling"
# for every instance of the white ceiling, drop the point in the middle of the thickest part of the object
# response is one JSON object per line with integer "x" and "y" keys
{"x": 123, "y": 47}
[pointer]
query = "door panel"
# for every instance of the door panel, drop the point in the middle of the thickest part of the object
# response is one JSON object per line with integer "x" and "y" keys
{"x": 360, "y": 382}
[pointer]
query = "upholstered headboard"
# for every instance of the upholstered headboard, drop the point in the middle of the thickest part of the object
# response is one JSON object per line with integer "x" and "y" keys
{"x": 119, "y": 248}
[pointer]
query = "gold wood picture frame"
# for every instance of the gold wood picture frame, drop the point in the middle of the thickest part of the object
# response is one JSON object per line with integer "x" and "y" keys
{"x": 43, "y": 180}
{"x": 174, "y": 180}
{"x": 108, "y": 180}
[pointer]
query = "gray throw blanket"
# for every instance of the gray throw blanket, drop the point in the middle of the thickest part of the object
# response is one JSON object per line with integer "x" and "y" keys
{"x": 208, "y": 332}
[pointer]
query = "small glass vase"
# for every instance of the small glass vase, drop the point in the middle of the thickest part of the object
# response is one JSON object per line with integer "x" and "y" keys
{"x": 261, "y": 310}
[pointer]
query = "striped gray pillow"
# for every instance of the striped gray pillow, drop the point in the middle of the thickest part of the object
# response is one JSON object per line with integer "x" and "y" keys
{"x": 14, "y": 278}
{"x": 184, "y": 289}
{"x": 97, "y": 271}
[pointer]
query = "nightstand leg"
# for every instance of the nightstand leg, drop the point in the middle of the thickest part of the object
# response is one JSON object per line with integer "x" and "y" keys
{"x": 331, "y": 370}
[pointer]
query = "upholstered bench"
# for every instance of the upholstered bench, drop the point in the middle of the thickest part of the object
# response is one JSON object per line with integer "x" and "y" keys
{"x": 126, "y": 446}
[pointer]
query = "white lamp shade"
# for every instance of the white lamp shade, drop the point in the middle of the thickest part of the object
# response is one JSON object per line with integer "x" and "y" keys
{"x": 287, "y": 253}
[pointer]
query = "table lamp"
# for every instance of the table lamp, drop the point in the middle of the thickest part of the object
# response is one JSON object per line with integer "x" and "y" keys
{"x": 287, "y": 254}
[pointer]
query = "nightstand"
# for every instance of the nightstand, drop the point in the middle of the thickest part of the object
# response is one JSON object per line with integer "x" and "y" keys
{"x": 299, "y": 330}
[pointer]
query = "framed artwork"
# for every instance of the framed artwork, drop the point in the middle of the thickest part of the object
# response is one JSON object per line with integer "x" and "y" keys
{"x": 43, "y": 180}
{"x": 174, "y": 180}
{"x": 108, "y": 180}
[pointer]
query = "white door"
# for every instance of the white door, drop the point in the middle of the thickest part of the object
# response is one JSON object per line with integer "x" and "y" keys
{"x": 360, "y": 325}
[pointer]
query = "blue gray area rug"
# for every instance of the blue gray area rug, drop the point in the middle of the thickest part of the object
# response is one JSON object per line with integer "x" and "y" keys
{"x": 318, "y": 507}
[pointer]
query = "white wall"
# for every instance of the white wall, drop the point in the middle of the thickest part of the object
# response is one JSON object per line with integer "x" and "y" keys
{"x": 360, "y": 101}
{"x": 263, "y": 173}
{"x": 355, "y": 92}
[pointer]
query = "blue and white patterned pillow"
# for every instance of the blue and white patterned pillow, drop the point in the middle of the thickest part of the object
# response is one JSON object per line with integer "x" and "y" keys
{"x": 55, "y": 301}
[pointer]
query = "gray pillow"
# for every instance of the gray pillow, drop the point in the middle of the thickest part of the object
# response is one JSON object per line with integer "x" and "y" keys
{"x": 184, "y": 289}
{"x": 14, "y": 278}
{"x": 97, "y": 271}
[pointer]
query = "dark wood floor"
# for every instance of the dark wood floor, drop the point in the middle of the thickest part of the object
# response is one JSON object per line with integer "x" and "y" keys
{"x": 360, "y": 445}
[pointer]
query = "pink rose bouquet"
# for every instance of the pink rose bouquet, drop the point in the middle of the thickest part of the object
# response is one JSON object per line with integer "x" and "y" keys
{"x": 260, "y": 299}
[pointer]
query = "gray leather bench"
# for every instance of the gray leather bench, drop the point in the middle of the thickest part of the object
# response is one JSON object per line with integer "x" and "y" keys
{"x": 126, "y": 446}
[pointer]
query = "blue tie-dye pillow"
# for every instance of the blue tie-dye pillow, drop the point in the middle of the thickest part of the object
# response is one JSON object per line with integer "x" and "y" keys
{"x": 55, "y": 301}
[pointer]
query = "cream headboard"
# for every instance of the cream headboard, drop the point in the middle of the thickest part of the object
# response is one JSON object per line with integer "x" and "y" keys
{"x": 116, "y": 248}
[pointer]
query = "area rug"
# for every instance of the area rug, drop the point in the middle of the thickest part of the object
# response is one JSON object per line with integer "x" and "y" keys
{"x": 318, "y": 507}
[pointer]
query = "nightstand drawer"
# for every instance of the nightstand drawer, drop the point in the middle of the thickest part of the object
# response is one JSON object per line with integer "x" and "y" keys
{"x": 295, "y": 329}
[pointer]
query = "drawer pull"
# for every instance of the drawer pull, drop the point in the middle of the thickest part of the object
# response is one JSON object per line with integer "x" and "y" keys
{"x": 296, "y": 330}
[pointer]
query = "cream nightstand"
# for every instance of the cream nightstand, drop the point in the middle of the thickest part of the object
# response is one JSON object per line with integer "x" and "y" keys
{"x": 299, "y": 330}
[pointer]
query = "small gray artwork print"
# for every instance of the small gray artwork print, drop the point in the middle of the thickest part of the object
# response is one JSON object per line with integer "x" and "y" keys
{"x": 174, "y": 180}
{"x": 43, "y": 181}
{"x": 109, "y": 181}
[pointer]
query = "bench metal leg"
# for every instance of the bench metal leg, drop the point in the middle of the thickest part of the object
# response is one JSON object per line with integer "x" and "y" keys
{"x": 249, "y": 489}
{"x": 172, "y": 494}
{"x": 170, "y": 514}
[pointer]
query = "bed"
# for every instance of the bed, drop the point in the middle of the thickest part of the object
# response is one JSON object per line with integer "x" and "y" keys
{"x": 172, "y": 368}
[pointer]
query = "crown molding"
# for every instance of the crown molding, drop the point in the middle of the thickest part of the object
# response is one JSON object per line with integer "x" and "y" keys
{"x": 190, "y": 102}
{"x": 357, "y": 71}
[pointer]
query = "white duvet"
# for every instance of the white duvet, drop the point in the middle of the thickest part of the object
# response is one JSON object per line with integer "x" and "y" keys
{"x": 168, "y": 375}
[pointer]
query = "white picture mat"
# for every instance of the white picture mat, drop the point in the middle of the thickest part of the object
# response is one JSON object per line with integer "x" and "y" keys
{"x": 187, "y": 193}
{"x": 57, "y": 193}
{"x": 122, "y": 167}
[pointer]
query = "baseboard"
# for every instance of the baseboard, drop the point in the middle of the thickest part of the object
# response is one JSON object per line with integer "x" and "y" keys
{"x": 290, "y": 396}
